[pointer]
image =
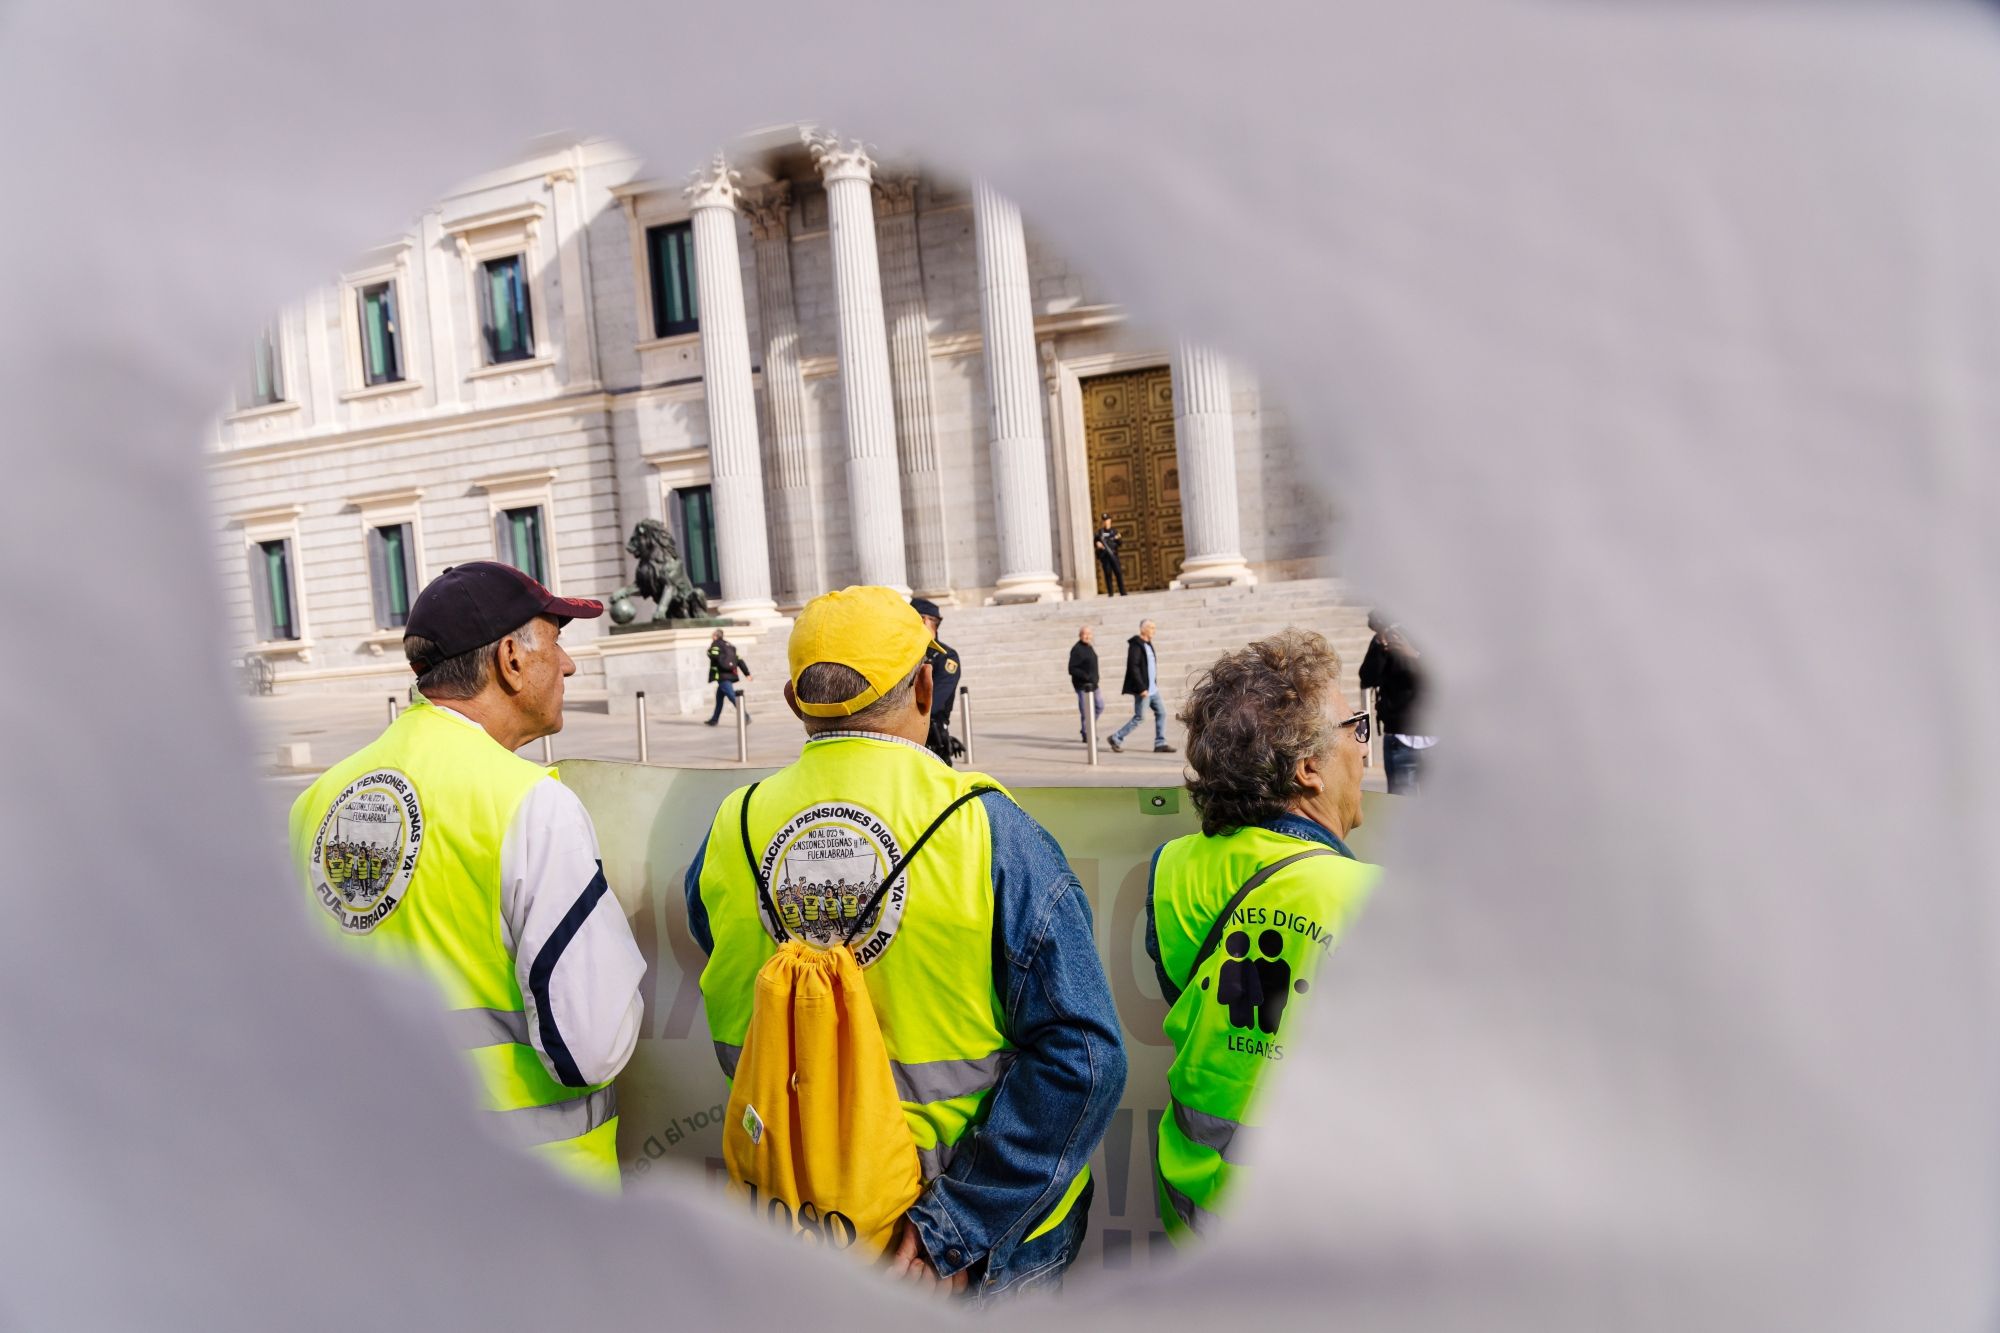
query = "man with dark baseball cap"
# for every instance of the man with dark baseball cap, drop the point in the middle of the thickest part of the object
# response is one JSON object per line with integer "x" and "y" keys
{"x": 438, "y": 848}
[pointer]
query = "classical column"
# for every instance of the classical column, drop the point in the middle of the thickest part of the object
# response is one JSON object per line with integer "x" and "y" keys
{"x": 1205, "y": 445}
{"x": 910, "y": 367}
{"x": 1020, "y": 457}
{"x": 793, "y": 530}
{"x": 873, "y": 491}
{"x": 736, "y": 471}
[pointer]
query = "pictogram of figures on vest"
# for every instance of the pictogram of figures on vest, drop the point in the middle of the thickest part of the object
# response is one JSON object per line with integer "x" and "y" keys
{"x": 359, "y": 871}
{"x": 1255, "y": 991}
{"x": 824, "y": 911}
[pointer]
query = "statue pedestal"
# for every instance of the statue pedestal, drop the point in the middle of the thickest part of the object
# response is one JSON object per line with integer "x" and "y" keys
{"x": 671, "y": 664}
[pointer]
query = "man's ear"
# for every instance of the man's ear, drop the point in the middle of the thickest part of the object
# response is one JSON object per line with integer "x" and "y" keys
{"x": 791, "y": 702}
{"x": 510, "y": 664}
{"x": 925, "y": 689}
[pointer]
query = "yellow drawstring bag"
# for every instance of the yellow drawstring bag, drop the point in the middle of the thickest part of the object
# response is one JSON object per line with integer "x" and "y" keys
{"x": 815, "y": 1133}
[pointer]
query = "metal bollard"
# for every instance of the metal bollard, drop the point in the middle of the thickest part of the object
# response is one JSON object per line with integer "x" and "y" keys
{"x": 548, "y": 751}
{"x": 1091, "y": 712}
{"x": 393, "y": 710}
{"x": 1374, "y": 746}
{"x": 965, "y": 715}
{"x": 643, "y": 750}
{"x": 742, "y": 727}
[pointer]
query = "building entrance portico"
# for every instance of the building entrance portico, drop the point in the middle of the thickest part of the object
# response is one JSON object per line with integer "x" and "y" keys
{"x": 1128, "y": 429}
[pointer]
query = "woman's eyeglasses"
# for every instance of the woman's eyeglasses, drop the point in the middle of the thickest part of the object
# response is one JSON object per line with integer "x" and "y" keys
{"x": 1360, "y": 724}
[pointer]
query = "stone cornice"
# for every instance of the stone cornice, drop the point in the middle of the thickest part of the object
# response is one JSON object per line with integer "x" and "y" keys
{"x": 451, "y": 422}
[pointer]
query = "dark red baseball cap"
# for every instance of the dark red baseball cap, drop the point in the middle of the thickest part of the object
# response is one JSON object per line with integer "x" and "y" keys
{"x": 471, "y": 605}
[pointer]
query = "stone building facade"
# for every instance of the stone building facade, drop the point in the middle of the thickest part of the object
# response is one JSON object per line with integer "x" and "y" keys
{"x": 815, "y": 366}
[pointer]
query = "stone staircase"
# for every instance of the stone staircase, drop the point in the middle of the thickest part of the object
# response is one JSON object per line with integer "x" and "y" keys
{"x": 1016, "y": 657}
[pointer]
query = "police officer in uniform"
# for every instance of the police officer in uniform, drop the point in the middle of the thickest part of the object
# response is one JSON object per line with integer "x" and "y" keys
{"x": 944, "y": 671}
{"x": 1240, "y": 915}
{"x": 439, "y": 849}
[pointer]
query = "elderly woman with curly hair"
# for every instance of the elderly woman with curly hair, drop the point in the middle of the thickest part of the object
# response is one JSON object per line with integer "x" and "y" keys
{"x": 1239, "y": 915}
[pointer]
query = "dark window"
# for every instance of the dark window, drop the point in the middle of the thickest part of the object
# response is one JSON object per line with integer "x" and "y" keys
{"x": 521, "y": 541}
{"x": 696, "y": 509}
{"x": 267, "y": 375}
{"x": 381, "y": 340}
{"x": 503, "y": 310}
{"x": 670, "y": 256}
{"x": 392, "y": 569}
{"x": 271, "y": 590}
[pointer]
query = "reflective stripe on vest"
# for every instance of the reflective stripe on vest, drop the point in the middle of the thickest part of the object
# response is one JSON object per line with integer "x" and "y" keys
{"x": 1235, "y": 1012}
{"x": 860, "y": 803}
{"x": 446, "y": 921}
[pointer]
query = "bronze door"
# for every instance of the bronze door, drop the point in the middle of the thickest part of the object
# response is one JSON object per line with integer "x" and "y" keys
{"x": 1128, "y": 431}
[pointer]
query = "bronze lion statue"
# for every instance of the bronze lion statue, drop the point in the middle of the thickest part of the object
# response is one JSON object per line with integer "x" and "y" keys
{"x": 662, "y": 578}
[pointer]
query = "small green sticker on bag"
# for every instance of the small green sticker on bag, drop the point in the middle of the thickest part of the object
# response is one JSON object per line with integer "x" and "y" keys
{"x": 752, "y": 1126}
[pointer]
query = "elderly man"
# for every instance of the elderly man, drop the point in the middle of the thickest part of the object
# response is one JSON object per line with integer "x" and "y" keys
{"x": 1239, "y": 915}
{"x": 436, "y": 847}
{"x": 1142, "y": 682}
{"x": 1083, "y": 679}
{"x": 982, "y": 970}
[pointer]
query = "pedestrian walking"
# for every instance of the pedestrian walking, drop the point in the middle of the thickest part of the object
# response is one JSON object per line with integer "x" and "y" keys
{"x": 1390, "y": 669}
{"x": 725, "y": 667}
{"x": 1107, "y": 557}
{"x": 439, "y": 849}
{"x": 1083, "y": 678}
{"x": 1142, "y": 682}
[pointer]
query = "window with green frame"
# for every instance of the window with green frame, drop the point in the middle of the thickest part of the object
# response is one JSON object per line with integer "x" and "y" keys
{"x": 520, "y": 536}
{"x": 670, "y": 259}
{"x": 695, "y": 506}
{"x": 381, "y": 337}
{"x": 392, "y": 571}
{"x": 504, "y": 315}
{"x": 267, "y": 374}
{"x": 271, "y": 590}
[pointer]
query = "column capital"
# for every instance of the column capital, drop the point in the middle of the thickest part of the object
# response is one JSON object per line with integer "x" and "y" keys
{"x": 840, "y": 159}
{"x": 769, "y": 211}
{"x": 895, "y": 194}
{"x": 715, "y": 185}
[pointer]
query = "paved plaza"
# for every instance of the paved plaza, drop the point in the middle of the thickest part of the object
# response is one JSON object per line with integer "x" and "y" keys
{"x": 1020, "y": 749}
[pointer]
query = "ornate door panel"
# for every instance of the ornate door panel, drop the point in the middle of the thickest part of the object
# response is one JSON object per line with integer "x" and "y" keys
{"x": 1128, "y": 428}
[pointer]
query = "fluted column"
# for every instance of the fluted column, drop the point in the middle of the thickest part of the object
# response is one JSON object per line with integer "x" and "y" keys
{"x": 1205, "y": 447}
{"x": 736, "y": 470}
{"x": 793, "y": 539}
{"x": 910, "y": 368}
{"x": 1020, "y": 457}
{"x": 874, "y": 494}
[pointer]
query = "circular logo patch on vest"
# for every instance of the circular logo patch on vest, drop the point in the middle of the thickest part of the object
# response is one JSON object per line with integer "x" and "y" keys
{"x": 824, "y": 867}
{"x": 366, "y": 849}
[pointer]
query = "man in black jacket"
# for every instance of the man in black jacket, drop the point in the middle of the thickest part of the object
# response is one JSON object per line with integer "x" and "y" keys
{"x": 725, "y": 668}
{"x": 1142, "y": 682}
{"x": 1083, "y": 676}
{"x": 1390, "y": 669}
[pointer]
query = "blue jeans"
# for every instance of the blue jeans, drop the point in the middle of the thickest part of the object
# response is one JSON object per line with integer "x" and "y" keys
{"x": 1139, "y": 702}
{"x": 1402, "y": 764}
{"x": 724, "y": 689}
{"x": 1083, "y": 701}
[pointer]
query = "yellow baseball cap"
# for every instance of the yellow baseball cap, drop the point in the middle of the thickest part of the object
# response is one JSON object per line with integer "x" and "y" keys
{"x": 874, "y": 631}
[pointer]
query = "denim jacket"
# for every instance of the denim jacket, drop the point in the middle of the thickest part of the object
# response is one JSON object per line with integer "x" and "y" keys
{"x": 1055, "y": 1100}
{"x": 1291, "y": 825}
